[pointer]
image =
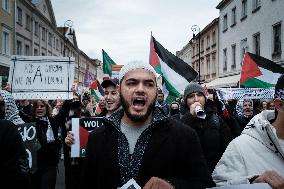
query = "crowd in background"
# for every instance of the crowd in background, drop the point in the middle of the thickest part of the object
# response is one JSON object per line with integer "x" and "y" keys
{"x": 221, "y": 122}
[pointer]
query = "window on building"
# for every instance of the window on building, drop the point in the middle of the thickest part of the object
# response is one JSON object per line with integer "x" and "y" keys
{"x": 244, "y": 9}
{"x": 43, "y": 34}
{"x": 57, "y": 44}
{"x": 61, "y": 48}
{"x": 19, "y": 16}
{"x": 49, "y": 38}
{"x": 256, "y": 43}
{"x": 233, "y": 66}
{"x": 213, "y": 63}
{"x": 193, "y": 50}
{"x": 255, "y": 5}
{"x": 27, "y": 50}
{"x": 277, "y": 39}
{"x": 208, "y": 41}
{"x": 225, "y": 59}
{"x": 202, "y": 45}
{"x": 234, "y": 17}
{"x": 213, "y": 37}
{"x": 208, "y": 65}
{"x": 6, "y": 5}
{"x": 54, "y": 42}
{"x": 244, "y": 48}
{"x": 6, "y": 42}
{"x": 225, "y": 23}
{"x": 19, "y": 48}
{"x": 35, "y": 52}
{"x": 36, "y": 28}
{"x": 28, "y": 22}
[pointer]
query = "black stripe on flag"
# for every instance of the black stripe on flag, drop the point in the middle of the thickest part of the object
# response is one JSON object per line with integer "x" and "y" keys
{"x": 175, "y": 63}
{"x": 267, "y": 64}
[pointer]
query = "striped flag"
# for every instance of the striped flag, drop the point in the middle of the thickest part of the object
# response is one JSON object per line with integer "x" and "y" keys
{"x": 96, "y": 90}
{"x": 259, "y": 72}
{"x": 176, "y": 74}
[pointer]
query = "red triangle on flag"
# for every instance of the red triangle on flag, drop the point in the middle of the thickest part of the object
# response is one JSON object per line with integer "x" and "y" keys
{"x": 154, "y": 59}
{"x": 94, "y": 85}
{"x": 249, "y": 69}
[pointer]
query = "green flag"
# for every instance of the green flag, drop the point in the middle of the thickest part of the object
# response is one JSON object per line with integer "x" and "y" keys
{"x": 107, "y": 63}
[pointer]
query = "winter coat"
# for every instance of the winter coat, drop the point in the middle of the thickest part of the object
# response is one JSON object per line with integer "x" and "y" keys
{"x": 172, "y": 152}
{"x": 214, "y": 135}
{"x": 14, "y": 159}
{"x": 255, "y": 151}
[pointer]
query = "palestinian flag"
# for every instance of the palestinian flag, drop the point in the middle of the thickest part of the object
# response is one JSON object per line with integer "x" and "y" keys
{"x": 176, "y": 74}
{"x": 96, "y": 90}
{"x": 259, "y": 72}
{"x": 107, "y": 64}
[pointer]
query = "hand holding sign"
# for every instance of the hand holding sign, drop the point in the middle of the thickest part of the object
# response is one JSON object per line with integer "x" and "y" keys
{"x": 156, "y": 183}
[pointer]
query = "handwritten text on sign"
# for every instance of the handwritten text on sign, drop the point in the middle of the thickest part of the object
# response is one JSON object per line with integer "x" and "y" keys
{"x": 37, "y": 77}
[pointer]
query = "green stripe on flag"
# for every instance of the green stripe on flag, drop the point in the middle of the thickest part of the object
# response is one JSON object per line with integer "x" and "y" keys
{"x": 256, "y": 83}
{"x": 173, "y": 93}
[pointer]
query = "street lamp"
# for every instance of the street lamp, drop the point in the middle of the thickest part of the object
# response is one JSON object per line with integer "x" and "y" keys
{"x": 69, "y": 24}
{"x": 196, "y": 29}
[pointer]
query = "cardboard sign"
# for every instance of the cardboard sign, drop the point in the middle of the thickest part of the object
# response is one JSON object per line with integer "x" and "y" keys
{"x": 28, "y": 133}
{"x": 81, "y": 127}
{"x": 41, "y": 77}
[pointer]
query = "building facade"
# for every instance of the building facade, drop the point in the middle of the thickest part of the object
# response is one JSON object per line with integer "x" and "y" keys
{"x": 7, "y": 37}
{"x": 185, "y": 53}
{"x": 254, "y": 26}
{"x": 28, "y": 28}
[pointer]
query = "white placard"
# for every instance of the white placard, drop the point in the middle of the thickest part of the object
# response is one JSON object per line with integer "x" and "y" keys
{"x": 131, "y": 184}
{"x": 75, "y": 148}
{"x": 41, "y": 77}
{"x": 245, "y": 186}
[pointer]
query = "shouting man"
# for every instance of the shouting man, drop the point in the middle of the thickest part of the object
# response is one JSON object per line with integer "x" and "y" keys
{"x": 139, "y": 142}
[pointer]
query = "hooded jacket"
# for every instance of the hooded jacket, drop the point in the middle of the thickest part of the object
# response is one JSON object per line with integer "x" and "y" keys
{"x": 255, "y": 151}
{"x": 11, "y": 110}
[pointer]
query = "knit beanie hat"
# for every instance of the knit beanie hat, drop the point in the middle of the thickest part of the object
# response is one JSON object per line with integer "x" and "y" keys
{"x": 191, "y": 88}
{"x": 279, "y": 88}
{"x": 133, "y": 66}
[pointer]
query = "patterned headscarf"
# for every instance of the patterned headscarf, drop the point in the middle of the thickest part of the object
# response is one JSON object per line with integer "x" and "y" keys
{"x": 11, "y": 110}
{"x": 279, "y": 88}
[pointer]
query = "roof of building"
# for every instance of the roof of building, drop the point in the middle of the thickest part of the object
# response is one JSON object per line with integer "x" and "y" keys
{"x": 222, "y": 4}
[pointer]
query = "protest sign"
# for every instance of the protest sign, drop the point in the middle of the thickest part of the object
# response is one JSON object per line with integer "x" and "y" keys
{"x": 41, "y": 77}
{"x": 131, "y": 184}
{"x": 28, "y": 133}
{"x": 245, "y": 93}
{"x": 81, "y": 127}
{"x": 245, "y": 186}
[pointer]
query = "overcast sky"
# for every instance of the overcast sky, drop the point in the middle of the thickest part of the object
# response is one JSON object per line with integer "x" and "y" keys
{"x": 123, "y": 27}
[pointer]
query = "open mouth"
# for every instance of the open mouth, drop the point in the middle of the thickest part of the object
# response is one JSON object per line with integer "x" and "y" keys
{"x": 139, "y": 103}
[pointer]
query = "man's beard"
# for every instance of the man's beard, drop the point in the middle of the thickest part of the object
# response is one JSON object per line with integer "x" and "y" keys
{"x": 136, "y": 118}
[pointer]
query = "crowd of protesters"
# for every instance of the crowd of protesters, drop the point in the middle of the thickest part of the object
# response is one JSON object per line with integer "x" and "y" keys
{"x": 196, "y": 141}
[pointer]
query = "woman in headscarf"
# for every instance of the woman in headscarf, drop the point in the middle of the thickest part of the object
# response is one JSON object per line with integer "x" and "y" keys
{"x": 244, "y": 112}
{"x": 9, "y": 110}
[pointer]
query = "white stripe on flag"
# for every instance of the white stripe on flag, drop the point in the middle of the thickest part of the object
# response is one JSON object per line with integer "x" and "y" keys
{"x": 268, "y": 76}
{"x": 176, "y": 80}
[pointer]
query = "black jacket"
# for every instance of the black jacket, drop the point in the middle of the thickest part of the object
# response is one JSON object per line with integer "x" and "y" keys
{"x": 173, "y": 153}
{"x": 14, "y": 159}
{"x": 214, "y": 135}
